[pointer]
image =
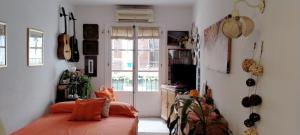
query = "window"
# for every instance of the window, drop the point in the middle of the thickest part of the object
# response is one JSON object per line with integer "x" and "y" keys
{"x": 35, "y": 50}
{"x": 3, "y": 47}
{"x": 35, "y": 47}
{"x": 145, "y": 55}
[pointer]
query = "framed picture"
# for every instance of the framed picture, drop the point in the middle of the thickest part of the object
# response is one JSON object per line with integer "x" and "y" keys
{"x": 90, "y": 66}
{"x": 90, "y": 47}
{"x": 175, "y": 36}
{"x": 35, "y": 47}
{"x": 3, "y": 45}
{"x": 91, "y": 31}
{"x": 217, "y": 49}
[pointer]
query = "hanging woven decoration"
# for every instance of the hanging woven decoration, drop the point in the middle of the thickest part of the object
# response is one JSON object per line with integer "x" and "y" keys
{"x": 255, "y": 70}
{"x": 247, "y": 63}
{"x": 251, "y": 131}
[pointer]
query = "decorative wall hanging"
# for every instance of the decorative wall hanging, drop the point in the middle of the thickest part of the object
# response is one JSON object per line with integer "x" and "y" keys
{"x": 255, "y": 70}
{"x": 91, "y": 66}
{"x": 217, "y": 48}
{"x": 237, "y": 25}
{"x": 91, "y": 36}
{"x": 175, "y": 38}
{"x": 90, "y": 47}
{"x": 35, "y": 47}
{"x": 194, "y": 40}
{"x": 3, "y": 45}
{"x": 91, "y": 31}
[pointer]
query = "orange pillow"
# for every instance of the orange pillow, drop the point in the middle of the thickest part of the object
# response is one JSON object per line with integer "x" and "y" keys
{"x": 111, "y": 90}
{"x": 63, "y": 107}
{"x": 88, "y": 110}
{"x": 103, "y": 94}
{"x": 106, "y": 93}
{"x": 124, "y": 109}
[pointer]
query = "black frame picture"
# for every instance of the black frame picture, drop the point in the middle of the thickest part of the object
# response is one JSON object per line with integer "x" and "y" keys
{"x": 90, "y": 47}
{"x": 90, "y": 67}
{"x": 91, "y": 31}
{"x": 175, "y": 36}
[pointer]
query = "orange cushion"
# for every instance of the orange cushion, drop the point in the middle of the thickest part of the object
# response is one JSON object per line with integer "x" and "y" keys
{"x": 106, "y": 93}
{"x": 114, "y": 96}
{"x": 124, "y": 109}
{"x": 88, "y": 110}
{"x": 103, "y": 94}
{"x": 63, "y": 107}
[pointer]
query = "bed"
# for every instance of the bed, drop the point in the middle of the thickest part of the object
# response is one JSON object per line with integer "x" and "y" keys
{"x": 59, "y": 124}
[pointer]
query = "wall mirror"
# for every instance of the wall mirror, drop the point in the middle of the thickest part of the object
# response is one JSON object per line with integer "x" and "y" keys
{"x": 3, "y": 45}
{"x": 35, "y": 47}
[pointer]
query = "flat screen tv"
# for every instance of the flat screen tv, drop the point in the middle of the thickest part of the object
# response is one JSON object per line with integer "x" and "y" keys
{"x": 184, "y": 74}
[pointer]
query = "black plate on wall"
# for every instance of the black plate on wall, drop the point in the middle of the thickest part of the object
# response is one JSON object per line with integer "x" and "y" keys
{"x": 90, "y": 47}
{"x": 91, "y": 31}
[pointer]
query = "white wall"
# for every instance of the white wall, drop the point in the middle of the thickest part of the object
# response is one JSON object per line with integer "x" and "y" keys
{"x": 26, "y": 92}
{"x": 279, "y": 28}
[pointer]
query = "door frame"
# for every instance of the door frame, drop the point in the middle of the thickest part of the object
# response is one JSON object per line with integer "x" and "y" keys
{"x": 108, "y": 60}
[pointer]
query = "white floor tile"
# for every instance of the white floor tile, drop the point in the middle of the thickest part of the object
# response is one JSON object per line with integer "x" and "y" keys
{"x": 152, "y": 126}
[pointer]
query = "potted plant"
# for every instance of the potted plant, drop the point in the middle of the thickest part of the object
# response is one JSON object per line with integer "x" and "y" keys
{"x": 87, "y": 87}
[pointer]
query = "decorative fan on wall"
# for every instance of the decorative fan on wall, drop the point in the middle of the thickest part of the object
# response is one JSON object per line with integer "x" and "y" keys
{"x": 238, "y": 25}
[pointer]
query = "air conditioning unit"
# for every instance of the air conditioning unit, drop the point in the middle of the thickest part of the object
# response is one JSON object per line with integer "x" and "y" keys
{"x": 135, "y": 14}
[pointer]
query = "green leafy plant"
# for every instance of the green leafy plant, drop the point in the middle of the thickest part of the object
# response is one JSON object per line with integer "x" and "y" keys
{"x": 199, "y": 126}
{"x": 87, "y": 85}
{"x": 186, "y": 106}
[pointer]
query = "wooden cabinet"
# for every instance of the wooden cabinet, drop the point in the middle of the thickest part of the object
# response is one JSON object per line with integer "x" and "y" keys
{"x": 168, "y": 97}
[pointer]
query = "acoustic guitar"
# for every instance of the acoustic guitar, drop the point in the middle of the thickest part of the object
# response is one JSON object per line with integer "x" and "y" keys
{"x": 74, "y": 43}
{"x": 64, "y": 50}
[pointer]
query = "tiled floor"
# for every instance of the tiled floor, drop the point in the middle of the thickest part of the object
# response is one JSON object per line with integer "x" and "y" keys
{"x": 152, "y": 126}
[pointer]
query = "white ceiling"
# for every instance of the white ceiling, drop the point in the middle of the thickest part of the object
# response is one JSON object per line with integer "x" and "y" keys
{"x": 132, "y": 2}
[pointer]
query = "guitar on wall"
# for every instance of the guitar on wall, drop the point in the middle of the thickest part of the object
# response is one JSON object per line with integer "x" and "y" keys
{"x": 64, "y": 50}
{"x": 73, "y": 43}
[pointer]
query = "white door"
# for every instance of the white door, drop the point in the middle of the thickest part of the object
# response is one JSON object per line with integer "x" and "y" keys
{"x": 135, "y": 67}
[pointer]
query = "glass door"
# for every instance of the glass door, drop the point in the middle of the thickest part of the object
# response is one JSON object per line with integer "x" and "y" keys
{"x": 135, "y": 67}
{"x": 122, "y": 49}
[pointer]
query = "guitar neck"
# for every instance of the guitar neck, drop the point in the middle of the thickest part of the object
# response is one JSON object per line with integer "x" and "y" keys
{"x": 63, "y": 13}
{"x": 66, "y": 29}
{"x": 74, "y": 28}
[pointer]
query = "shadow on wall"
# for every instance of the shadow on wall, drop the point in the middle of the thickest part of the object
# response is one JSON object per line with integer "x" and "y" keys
{"x": 2, "y": 131}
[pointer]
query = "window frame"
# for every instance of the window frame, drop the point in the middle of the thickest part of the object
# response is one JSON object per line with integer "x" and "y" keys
{"x": 5, "y": 44}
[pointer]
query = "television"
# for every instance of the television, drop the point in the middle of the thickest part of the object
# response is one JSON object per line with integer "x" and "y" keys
{"x": 184, "y": 74}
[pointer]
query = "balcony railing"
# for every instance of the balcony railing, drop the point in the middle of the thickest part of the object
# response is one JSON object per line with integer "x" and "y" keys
{"x": 145, "y": 84}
